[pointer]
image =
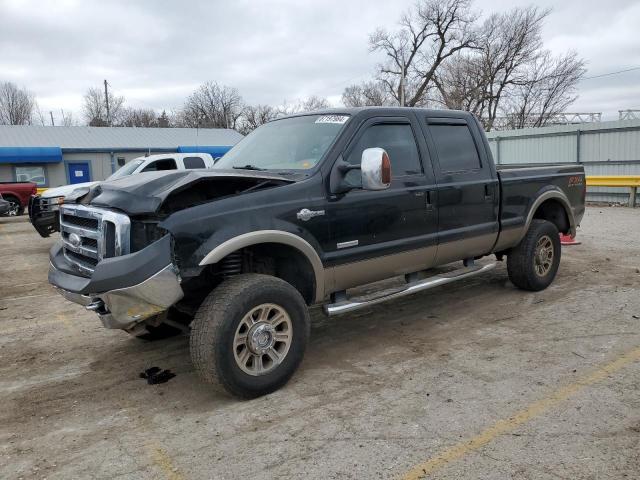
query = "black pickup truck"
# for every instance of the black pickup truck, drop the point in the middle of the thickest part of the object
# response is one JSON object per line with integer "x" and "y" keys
{"x": 299, "y": 212}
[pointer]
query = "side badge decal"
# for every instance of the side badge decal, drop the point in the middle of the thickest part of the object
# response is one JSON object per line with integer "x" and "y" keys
{"x": 305, "y": 214}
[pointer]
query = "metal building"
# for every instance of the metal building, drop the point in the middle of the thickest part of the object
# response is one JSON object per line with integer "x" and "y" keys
{"x": 604, "y": 148}
{"x": 54, "y": 156}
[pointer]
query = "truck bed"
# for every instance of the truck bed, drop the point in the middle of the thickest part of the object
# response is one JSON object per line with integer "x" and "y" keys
{"x": 522, "y": 184}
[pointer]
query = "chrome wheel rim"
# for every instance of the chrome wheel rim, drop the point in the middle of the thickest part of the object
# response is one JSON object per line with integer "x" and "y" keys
{"x": 543, "y": 256}
{"x": 13, "y": 209}
{"x": 262, "y": 339}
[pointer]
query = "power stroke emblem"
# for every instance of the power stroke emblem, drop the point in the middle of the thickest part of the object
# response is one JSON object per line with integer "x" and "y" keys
{"x": 305, "y": 214}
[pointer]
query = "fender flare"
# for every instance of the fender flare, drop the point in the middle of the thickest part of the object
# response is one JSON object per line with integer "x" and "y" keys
{"x": 551, "y": 195}
{"x": 271, "y": 236}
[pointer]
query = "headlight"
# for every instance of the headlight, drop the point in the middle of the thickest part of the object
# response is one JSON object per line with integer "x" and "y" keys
{"x": 144, "y": 233}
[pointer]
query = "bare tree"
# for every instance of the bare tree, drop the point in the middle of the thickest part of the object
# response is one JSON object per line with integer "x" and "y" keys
{"x": 461, "y": 84}
{"x": 308, "y": 104}
{"x": 16, "y": 105}
{"x": 510, "y": 42}
{"x": 367, "y": 94}
{"x": 550, "y": 87}
{"x": 212, "y": 106}
{"x": 67, "y": 119}
{"x": 139, "y": 117}
{"x": 95, "y": 108}
{"x": 255, "y": 115}
{"x": 431, "y": 32}
{"x": 509, "y": 74}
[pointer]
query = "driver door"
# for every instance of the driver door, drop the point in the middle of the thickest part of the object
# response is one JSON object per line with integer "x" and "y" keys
{"x": 377, "y": 234}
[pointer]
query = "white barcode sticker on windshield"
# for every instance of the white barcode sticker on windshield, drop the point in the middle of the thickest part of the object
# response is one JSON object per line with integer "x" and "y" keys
{"x": 332, "y": 119}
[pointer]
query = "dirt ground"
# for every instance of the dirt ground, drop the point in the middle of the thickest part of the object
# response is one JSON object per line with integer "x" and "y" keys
{"x": 470, "y": 380}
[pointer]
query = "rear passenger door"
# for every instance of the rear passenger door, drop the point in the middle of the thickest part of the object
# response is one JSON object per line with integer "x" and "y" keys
{"x": 467, "y": 189}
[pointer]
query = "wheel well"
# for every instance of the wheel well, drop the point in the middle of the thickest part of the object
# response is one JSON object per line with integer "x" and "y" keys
{"x": 277, "y": 259}
{"x": 554, "y": 212}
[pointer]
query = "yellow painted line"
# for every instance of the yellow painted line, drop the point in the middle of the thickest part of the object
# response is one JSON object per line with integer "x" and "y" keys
{"x": 501, "y": 427}
{"x": 163, "y": 461}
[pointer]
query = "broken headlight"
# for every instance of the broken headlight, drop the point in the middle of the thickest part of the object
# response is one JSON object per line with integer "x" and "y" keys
{"x": 144, "y": 233}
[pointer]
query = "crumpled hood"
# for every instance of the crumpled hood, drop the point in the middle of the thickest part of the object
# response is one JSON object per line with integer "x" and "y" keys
{"x": 65, "y": 190}
{"x": 144, "y": 193}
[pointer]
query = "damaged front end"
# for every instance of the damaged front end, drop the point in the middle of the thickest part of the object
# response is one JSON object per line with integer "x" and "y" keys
{"x": 114, "y": 257}
{"x": 94, "y": 266}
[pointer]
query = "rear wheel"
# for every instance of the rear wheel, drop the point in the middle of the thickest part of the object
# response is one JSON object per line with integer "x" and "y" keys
{"x": 533, "y": 263}
{"x": 249, "y": 334}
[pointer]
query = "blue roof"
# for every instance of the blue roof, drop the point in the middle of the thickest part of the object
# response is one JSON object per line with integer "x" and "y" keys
{"x": 30, "y": 155}
{"x": 214, "y": 151}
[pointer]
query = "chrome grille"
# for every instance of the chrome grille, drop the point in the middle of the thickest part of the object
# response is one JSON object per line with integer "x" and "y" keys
{"x": 91, "y": 234}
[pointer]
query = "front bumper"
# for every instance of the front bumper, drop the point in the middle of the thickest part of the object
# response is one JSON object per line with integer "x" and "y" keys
{"x": 123, "y": 290}
{"x": 44, "y": 216}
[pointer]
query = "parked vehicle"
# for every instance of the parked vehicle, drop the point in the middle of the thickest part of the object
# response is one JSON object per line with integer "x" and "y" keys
{"x": 4, "y": 206}
{"x": 296, "y": 214}
{"x": 43, "y": 209}
{"x": 17, "y": 194}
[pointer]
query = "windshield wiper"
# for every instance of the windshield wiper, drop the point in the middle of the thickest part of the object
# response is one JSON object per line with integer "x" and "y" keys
{"x": 248, "y": 167}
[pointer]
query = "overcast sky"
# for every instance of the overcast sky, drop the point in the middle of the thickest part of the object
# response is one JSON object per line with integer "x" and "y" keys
{"x": 157, "y": 52}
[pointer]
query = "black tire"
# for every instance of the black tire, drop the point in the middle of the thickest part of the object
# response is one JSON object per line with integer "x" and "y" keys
{"x": 526, "y": 270}
{"x": 219, "y": 319}
{"x": 16, "y": 207}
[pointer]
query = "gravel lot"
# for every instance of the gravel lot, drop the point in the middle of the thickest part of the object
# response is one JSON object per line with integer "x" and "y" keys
{"x": 471, "y": 380}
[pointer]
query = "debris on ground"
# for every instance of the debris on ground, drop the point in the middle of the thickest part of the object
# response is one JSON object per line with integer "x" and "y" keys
{"x": 156, "y": 375}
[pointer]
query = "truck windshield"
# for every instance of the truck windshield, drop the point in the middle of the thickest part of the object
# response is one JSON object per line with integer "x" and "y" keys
{"x": 296, "y": 143}
{"x": 125, "y": 169}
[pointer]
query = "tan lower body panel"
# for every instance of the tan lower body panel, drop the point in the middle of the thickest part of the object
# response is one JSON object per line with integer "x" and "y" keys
{"x": 371, "y": 270}
{"x": 466, "y": 248}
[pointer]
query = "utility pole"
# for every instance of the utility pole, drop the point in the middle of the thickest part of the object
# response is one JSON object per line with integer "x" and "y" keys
{"x": 52, "y": 123}
{"x": 106, "y": 102}
{"x": 402, "y": 73}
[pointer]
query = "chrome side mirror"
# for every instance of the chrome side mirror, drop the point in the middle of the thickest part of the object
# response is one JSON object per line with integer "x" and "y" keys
{"x": 375, "y": 169}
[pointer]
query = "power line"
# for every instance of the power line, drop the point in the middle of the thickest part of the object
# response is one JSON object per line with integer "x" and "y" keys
{"x": 612, "y": 73}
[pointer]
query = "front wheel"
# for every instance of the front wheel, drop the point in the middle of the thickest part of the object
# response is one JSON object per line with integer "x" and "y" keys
{"x": 533, "y": 263}
{"x": 249, "y": 335}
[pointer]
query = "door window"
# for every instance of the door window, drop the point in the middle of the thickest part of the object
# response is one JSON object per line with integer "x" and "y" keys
{"x": 456, "y": 149}
{"x": 399, "y": 143}
{"x": 193, "y": 162}
{"x": 158, "y": 165}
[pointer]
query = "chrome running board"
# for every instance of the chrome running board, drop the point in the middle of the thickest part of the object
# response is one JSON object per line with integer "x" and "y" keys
{"x": 412, "y": 287}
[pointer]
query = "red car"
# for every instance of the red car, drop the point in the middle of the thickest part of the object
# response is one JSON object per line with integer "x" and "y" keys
{"x": 18, "y": 195}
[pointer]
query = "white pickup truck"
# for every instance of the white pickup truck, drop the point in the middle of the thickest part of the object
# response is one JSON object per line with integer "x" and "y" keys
{"x": 43, "y": 209}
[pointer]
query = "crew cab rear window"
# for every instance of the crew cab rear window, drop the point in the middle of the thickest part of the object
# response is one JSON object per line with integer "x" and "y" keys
{"x": 193, "y": 162}
{"x": 399, "y": 143}
{"x": 456, "y": 149}
{"x": 163, "y": 164}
